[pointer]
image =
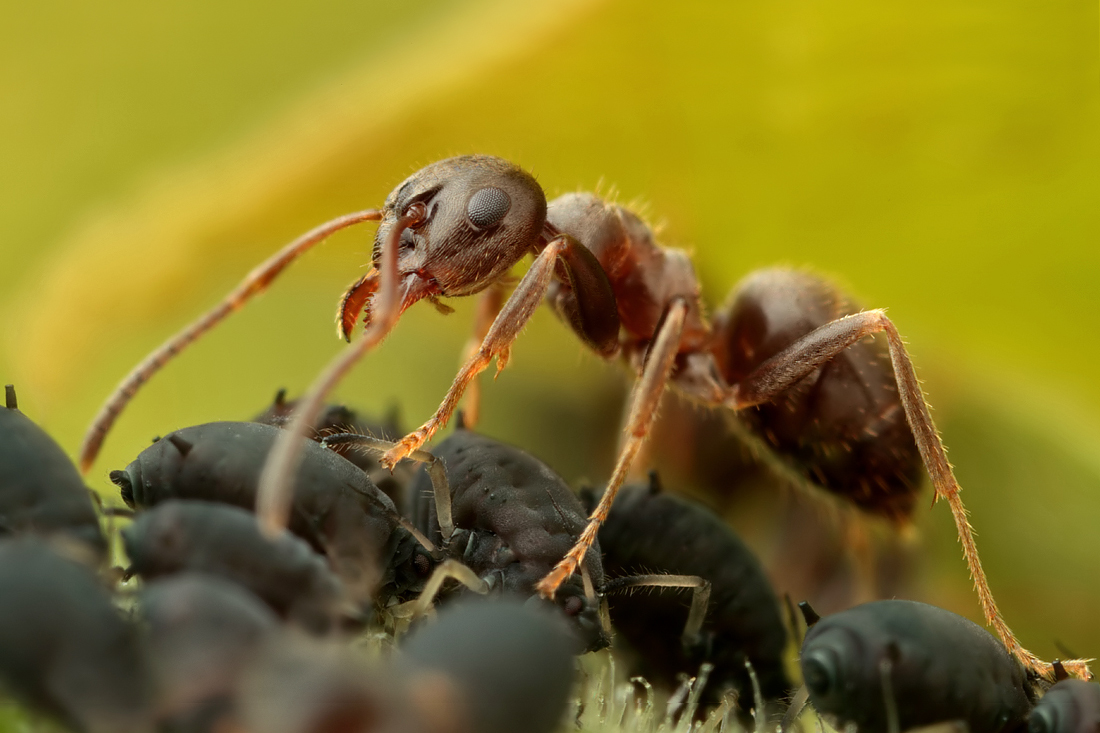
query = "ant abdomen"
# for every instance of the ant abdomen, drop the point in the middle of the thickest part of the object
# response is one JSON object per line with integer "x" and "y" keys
{"x": 843, "y": 426}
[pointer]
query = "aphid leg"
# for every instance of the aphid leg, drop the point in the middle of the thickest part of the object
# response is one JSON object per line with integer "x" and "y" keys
{"x": 513, "y": 317}
{"x": 646, "y": 396}
{"x": 253, "y": 284}
{"x": 786, "y": 368}
{"x": 885, "y": 667}
{"x": 436, "y": 472}
{"x": 700, "y": 597}
{"x": 798, "y": 703}
{"x": 488, "y": 308}
{"x": 447, "y": 569}
{"x": 273, "y": 495}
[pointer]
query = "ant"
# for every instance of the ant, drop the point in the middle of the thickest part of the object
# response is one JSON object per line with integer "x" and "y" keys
{"x": 458, "y": 226}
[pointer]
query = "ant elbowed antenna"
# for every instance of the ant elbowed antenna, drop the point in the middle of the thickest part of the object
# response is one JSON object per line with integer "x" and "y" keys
{"x": 785, "y": 349}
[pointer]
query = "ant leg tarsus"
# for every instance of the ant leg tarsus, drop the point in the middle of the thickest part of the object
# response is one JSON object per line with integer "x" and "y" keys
{"x": 489, "y": 306}
{"x": 253, "y": 284}
{"x": 276, "y": 485}
{"x": 812, "y": 351}
{"x": 646, "y": 397}
{"x": 517, "y": 310}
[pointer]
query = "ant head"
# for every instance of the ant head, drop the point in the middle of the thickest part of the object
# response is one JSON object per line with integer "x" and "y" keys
{"x": 475, "y": 216}
{"x": 461, "y": 224}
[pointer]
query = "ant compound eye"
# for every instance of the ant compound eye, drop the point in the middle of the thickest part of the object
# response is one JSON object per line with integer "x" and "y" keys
{"x": 422, "y": 564}
{"x": 487, "y": 207}
{"x": 573, "y": 605}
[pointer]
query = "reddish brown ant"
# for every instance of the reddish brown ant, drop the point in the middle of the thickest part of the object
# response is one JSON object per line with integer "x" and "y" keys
{"x": 458, "y": 226}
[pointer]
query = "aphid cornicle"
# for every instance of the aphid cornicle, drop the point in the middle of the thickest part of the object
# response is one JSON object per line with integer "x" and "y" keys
{"x": 40, "y": 489}
{"x": 181, "y": 536}
{"x": 337, "y": 509}
{"x": 656, "y": 532}
{"x": 1071, "y": 706}
{"x": 64, "y": 649}
{"x": 896, "y": 665}
{"x": 458, "y": 226}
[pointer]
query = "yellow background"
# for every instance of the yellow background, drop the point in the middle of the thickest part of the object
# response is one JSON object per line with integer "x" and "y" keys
{"x": 941, "y": 159}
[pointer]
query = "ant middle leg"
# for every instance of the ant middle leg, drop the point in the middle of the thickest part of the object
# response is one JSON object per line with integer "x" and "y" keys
{"x": 646, "y": 397}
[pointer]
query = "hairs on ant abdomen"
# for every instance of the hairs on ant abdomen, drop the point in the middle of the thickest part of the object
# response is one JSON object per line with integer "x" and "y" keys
{"x": 456, "y": 228}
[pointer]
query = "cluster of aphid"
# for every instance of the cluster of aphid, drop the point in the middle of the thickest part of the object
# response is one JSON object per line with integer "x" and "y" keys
{"x": 371, "y": 543}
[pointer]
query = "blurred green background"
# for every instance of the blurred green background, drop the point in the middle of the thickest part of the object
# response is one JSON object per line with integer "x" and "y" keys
{"x": 941, "y": 159}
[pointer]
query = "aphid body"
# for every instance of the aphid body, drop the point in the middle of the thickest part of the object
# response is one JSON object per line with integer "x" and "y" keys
{"x": 64, "y": 649}
{"x": 914, "y": 662}
{"x": 40, "y": 489}
{"x": 654, "y": 532}
{"x": 202, "y": 632}
{"x": 1071, "y": 706}
{"x": 336, "y": 507}
{"x": 514, "y": 518}
{"x": 180, "y": 536}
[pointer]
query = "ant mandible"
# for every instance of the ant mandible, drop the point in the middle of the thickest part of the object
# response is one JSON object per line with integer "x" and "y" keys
{"x": 457, "y": 227}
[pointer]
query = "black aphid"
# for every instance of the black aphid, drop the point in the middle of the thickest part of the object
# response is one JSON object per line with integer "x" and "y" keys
{"x": 202, "y": 632}
{"x": 204, "y": 537}
{"x": 64, "y": 649}
{"x": 654, "y": 532}
{"x": 40, "y": 488}
{"x": 336, "y": 508}
{"x": 1071, "y": 706}
{"x": 509, "y": 664}
{"x": 896, "y": 665}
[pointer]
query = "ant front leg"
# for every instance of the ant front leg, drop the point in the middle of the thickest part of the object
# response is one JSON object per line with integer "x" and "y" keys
{"x": 647, "y": 396}
{"x": 781, "y": 372}
{"x": 497, "y": 344}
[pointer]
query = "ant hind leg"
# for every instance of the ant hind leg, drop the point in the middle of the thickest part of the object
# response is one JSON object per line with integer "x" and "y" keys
{"x": 782, "y": 371}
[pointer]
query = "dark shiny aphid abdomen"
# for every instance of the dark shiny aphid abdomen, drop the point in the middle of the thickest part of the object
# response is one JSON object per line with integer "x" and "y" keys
{"x": 940, "y": 667}
{"x": 201, "y": 632}
{"x": 64, "y": 649}
{"x": 843, "y": 426}
{"x": 40, "y": 488}
{"x": 204, "y": 537}
{"x": 652, "y": 532}
{"x": 337, "y": 509}
{"x": 510, "y": 664}
{"x": 1071, "y": 706}
{"x": 514, "y": 520}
